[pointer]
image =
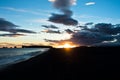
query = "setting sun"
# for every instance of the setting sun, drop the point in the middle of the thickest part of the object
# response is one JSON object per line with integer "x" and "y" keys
{"x": 66, "y": 45}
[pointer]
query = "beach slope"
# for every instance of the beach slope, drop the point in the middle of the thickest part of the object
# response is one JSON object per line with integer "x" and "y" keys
{"x": 63, "y": 64}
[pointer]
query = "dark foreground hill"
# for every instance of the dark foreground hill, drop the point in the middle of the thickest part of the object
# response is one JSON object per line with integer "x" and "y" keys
{"x": 68, "y": 64}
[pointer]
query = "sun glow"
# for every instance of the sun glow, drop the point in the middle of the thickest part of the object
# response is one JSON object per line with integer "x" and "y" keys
{"x": 66, "y": 45}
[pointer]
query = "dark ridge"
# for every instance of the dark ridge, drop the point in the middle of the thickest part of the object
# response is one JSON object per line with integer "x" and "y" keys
{"x": 68, "y": 64}
{"x": 36, "y": 46}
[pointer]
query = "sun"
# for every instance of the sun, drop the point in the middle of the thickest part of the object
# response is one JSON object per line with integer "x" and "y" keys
{"x": 66, "y": 45}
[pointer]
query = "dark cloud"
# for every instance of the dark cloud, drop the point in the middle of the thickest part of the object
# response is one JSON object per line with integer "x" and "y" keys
{"x": 23, "y": 31}
{"x": 69, "y": 31}
{"x": 89, "y": 38}
{"x": 82, "y": 27}
{"x": 62, "y": 4}
{"x": 11, "y": 35}
{"x": 52, "y": 31}
{"x": 54, "y": 41}
{"x": 64, "y": 7}
{"x": 114, "y": 42}
{"x": 90, "y": 23}
{"x": 7, "y": 24}
{"x": 11, "y": 27}
{"x": 50, "y": 26}
{"x": 76, "y": 30}
{"x": 63, "y": 19}
{"x": 105, "y": 28}
{"x": 101, "y": 34}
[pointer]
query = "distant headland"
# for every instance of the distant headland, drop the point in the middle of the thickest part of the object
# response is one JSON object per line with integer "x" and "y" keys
{"x": 36, "y": 46}
{"x": 32, "y": 46}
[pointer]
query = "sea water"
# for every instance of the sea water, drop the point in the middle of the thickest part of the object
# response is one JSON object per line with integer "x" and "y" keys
{"x": 12, "y": 56}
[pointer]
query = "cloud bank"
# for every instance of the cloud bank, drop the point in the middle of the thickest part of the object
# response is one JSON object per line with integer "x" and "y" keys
{"x": 101, "y": 34}
{"x": 13, "y": 29}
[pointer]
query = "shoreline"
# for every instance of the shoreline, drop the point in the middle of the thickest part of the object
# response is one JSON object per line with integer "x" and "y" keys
{"x": 22, "y": 58}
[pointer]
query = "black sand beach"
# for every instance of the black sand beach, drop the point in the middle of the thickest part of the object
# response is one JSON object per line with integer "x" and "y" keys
{"x": 68, "y": 64}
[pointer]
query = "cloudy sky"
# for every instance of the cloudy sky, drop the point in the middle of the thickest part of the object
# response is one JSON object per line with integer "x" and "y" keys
{"x": 55, "y": 22}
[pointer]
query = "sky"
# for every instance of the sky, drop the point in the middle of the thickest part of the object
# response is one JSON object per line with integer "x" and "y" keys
{"x": 53, "y": 22}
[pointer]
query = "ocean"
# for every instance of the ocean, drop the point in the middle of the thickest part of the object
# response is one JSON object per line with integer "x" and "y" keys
{"x": 12, "y": 56}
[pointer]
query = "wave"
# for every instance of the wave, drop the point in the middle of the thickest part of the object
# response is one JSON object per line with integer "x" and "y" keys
{"x": 5, "y": 62}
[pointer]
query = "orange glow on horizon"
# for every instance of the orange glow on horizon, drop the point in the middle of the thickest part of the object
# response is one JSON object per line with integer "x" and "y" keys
{"x": 66, "y": 45}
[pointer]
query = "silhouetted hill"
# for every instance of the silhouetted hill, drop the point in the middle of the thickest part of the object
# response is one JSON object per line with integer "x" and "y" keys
{"x": 79, "y": 63}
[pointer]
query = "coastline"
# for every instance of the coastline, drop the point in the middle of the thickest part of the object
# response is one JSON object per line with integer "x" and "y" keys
{"x": 21, "y": 58}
